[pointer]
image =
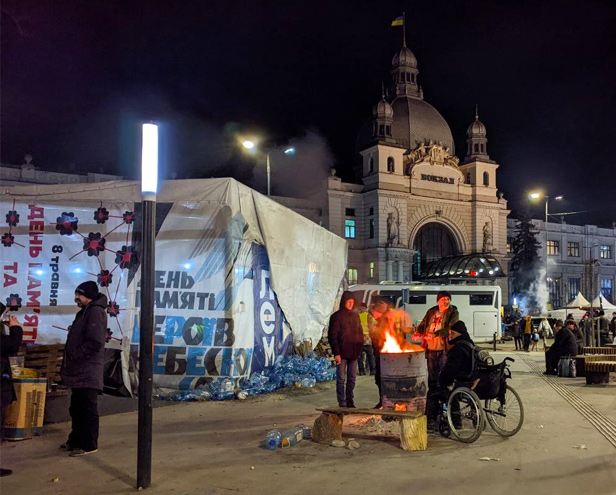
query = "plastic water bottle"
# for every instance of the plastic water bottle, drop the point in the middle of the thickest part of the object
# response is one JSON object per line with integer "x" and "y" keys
{"x": 306, "y": 432}
{"x": 308, "y": 382}
{"x": 292, "y": 436}
{"x": 272, "y": 439}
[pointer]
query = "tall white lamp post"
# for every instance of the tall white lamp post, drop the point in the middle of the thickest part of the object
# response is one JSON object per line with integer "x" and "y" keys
{"x": 149, "y": 187}
{"x": 252, "y": 146}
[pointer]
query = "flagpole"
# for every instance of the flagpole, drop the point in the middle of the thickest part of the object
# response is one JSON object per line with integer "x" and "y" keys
{"x": 404, "y": 29}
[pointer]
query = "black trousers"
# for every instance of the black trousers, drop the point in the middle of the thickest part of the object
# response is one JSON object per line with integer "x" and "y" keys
{"x": 518, "y": 343}
{"x": 84, "y": 413}
{"x": 526, "y": 338}
{"x": 436, "y": 363}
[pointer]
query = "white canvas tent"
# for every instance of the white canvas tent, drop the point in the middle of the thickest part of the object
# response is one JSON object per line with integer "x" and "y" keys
{"x": 579, "y": 302}
{"x": 601, "y": 302}
{"x": 238, "y": 274}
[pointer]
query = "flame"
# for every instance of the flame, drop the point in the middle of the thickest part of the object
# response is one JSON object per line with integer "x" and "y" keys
{"x": 393, "y": 346}
{"x": 399, "y": 407}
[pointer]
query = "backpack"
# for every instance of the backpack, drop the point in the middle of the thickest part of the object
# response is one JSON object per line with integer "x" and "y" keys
{"x": 479, "y": 357}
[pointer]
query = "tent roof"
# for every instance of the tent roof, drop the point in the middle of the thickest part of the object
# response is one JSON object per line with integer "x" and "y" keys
{"x": 603, "y": 303}
{"x": 579, "y": 302}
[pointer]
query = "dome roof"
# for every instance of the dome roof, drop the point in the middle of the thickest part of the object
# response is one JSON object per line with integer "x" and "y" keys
{"x": 414, "y": 121}
{"x": 476, "y": 129}
{"x": 404, "y": 58}
{"x": 383, "y": 109}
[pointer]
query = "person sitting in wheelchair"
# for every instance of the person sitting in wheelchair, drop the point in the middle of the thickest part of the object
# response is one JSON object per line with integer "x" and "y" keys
{"x": 460, "y": 362}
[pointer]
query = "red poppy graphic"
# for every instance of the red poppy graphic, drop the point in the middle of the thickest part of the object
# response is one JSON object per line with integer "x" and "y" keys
{"x": 67, "y": 223}
{"x": 7, "y": 239}
{"x": 13, "y": 302}
{"x": 104, "y": 278}
{"x": 12, "y": 218}
{"x": 101, "y": 215}
{"x": 126, "y": 257}
{"x": 129, "y": 217}
{"x": 94, "y": 244}
{"x": 113, "y": 309}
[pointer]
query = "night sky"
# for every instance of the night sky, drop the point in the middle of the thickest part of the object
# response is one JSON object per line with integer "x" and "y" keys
{"x": 78, "y": 77}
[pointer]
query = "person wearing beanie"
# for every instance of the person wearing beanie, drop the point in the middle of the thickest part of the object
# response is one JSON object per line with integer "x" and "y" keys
{"x": 564, "y": 345}
{"x": 434, "y": 332}
{"x": 82, "y": 368}
{"x": 9, "y": 345}
{"x": 459, "y": 365}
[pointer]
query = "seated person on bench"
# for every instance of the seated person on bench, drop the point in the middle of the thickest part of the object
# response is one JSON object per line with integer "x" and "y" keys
{"x": 564, "y": 345}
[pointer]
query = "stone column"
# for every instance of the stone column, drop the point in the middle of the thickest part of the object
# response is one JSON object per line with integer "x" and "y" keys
{"x": 400, "y": 271}
{"x": 389, "y": 274}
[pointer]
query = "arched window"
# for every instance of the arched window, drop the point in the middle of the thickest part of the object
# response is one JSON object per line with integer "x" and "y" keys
{"x": 482, "y": 148}
{"x": 413, "y": 78}
{"x": 388, "y": 130}
{"x": 468, "y": 177}
{"x": 391, "y": 166}
{"x": 371, "y": 165}
{"x": 486, "y": 179}
{"x": 476, "y": 148}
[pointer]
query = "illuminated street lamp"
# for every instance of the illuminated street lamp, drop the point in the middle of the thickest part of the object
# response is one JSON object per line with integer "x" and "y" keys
{"x": 539, "y": 195}
{"x": 149, "y": 188}
{"x": 252, "y": 146}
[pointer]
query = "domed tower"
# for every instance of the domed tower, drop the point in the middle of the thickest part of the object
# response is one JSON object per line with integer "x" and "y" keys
{"x": 476, "y": 140}
{"x": 383, "y": 119}
{"x": 404, "y": 73}
{"x": 478, "y": 169}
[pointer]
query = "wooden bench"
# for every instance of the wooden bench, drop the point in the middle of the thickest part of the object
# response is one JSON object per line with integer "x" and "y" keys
{"x": 580, "y": 361}
{"x": 599, "y": 371}
{"x": 413, "y": 425}
{"x": 598, "y": 350}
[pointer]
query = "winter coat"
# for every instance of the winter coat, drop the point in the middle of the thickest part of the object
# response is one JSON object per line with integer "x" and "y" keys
{"x": 564, "y": 343}
{"x": 345, "y": 333}
{"x": 9, "y": 345}
{"x": 449, "y": 318}
{"x": 459, "y": 364}
{"x": 516, "y": 331}
{"x": 84, "y": 352}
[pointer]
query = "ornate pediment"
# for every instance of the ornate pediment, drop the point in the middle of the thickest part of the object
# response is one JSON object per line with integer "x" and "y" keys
{"x": 433, "y": 154}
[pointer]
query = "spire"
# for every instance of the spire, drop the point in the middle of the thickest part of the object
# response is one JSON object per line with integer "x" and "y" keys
{"x": 404, "y": 29}
{"x": 404, "y": 72}
{"x": 477, "y": 140}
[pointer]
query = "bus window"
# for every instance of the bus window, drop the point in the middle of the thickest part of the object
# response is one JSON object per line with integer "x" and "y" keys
{"x": 481, "y": 299}
{"x": 417, "y": 299}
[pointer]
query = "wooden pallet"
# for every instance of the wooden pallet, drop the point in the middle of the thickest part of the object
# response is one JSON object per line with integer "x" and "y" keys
{"x": 47, "y": 361}
{"x": 324, "y": 349}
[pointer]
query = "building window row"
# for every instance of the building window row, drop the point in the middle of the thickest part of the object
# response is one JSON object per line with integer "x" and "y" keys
{"x": 553, "y": 248}
{"x": 573, "y": 249}
{"x": 352, "y": 276}
{"x": 606, "y": 288}
{"x": 349, "y": 229}
{"x": 606, "y": 252}
{"x": 575, "y": 287}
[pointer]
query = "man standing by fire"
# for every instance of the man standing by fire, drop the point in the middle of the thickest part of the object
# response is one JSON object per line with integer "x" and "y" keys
{"x": 346, "y": 339}
{"x": 434, "y": 332}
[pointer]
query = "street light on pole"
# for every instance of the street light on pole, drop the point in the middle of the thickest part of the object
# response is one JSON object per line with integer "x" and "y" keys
{"x": 538, "y": 195}
{"x": 252, "y": 146}
{"x": 149, "y": 187}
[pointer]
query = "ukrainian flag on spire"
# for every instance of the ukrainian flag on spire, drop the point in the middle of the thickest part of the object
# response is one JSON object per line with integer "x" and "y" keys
{"x": 398, "y": 21}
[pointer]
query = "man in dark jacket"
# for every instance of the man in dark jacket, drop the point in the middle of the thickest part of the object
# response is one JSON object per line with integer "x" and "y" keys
{"x": 9, "y": 345}
{"x": 459, "y": 365}
{"x": 564, "y": 345}
{"x": 346, "y": 339}
{"x": 434, "y": 330}
{"x": 82, "y": 368}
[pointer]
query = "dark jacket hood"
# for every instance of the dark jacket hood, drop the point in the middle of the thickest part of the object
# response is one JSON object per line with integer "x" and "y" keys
{"x": 346, "y": 295}
{"x": 101, "y": 300}
{"x": 461, "y": 338}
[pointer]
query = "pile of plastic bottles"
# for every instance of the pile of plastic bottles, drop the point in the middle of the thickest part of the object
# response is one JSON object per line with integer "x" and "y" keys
{"x": 293, "y": 371}
{"x": 288, "y": 438}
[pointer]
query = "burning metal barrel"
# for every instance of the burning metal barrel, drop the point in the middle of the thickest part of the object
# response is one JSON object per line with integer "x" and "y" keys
{"x": 404, "y": 379}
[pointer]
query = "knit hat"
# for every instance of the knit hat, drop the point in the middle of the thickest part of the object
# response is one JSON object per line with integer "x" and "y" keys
{"x": 459, "y": 327}
{"x": 443, "y": 293}
{"x": 87, "y": 289}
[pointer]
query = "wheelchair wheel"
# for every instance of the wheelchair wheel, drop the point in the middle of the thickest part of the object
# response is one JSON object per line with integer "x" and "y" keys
{"x": 505, "y": 418}
{"x": 465, "y": 415}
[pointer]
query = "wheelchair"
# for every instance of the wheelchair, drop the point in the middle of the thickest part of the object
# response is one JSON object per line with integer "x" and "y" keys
{"x": 485, "y": 397}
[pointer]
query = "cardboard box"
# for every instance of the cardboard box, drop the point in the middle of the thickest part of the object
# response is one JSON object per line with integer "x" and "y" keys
{"x": 24, "y": 417}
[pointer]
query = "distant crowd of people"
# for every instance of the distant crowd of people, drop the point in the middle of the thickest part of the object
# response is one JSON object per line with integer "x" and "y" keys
{"x": 569, "y": 337}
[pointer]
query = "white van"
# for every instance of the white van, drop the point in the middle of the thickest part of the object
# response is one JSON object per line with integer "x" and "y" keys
{"x": 478, "y": 305}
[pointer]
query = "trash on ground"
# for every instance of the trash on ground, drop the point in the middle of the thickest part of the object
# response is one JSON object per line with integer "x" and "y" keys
{"x": 338, "y": 444}
{"x": 581, "y": 447}
{"x": 353, "y": 445}
{"x": 496, "y": 459}
{"x": 288, "y": 371}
